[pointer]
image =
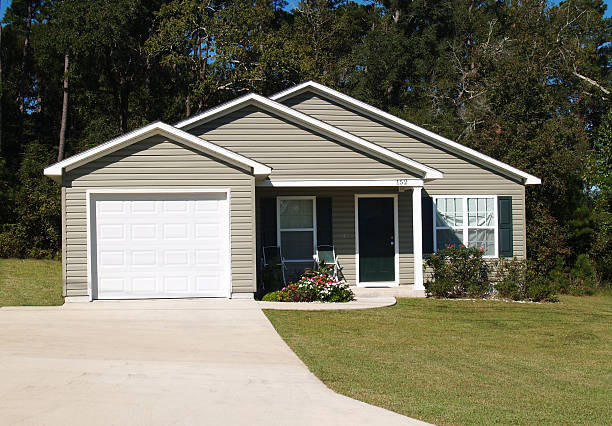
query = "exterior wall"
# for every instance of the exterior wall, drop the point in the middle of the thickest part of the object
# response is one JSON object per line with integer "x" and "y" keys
{"x": 461, "y": 177}
{"x": 157, "y": 163}
{"x": 293, "y": 152}
{"x": 343, "y": 225}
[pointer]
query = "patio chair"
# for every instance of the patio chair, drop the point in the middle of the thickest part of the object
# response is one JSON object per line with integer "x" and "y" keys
{"x": 272, "y": 259}
{"x": 326, "y": 255}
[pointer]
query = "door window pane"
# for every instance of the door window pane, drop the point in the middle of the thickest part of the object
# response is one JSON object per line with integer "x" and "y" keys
{"x": 482, "y": 238}
{"x": 297, "y": 244}
{"x": 296, "y": 214}
{"x": 449, "y": 212}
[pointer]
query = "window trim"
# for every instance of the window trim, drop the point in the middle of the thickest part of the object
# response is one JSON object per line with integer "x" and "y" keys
{"x": 279, "y": 230}
{"x": 465, "y": 227}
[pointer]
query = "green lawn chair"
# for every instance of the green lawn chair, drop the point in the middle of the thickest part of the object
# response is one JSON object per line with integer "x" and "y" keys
{"x": 326, "y": 255}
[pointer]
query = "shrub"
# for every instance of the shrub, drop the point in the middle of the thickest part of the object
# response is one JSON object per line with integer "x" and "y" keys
{"x": 510, "y": 278}
{"x": 517, "y": 279}
{"x": 540, "y": 289}
{"x": 274, "y": 296}
{"x": 458, "y": 272}
{"x": 582, "y": 277}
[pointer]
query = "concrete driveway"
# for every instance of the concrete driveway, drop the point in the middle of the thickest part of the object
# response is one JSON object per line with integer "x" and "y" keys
{"x": 161, "y": 362}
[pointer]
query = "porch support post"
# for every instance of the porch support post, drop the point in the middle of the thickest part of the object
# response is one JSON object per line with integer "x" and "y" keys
{"x": 417, "y": 233}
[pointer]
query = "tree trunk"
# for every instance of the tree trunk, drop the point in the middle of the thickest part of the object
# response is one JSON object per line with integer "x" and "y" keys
{"x": 62, "y": 136}
{"x": 24, "y": 70}
{"x": 1, "y": 85}
{"x": 124, "y": 94}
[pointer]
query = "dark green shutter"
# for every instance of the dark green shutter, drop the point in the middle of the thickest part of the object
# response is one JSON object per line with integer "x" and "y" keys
{"x": 268, "y": 222}
{"x": 324, "y": 221}
{"x": 427, "y": 220}
{"x": 504, "y": 222}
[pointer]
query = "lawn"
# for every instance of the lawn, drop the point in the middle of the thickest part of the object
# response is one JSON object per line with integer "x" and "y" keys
{"x": 30, "y": 282}
{"x": 465, "y": 362}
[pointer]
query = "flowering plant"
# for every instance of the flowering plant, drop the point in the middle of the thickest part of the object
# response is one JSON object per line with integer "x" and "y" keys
{"x": 317, "y": 286}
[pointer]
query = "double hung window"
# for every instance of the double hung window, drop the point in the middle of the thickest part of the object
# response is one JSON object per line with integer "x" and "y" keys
{"x": 467, "y": 220}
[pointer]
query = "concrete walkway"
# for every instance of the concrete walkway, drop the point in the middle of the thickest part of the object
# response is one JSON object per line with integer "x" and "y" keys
{"x": 163, "y": 362}
{"x": 358, "y": 303}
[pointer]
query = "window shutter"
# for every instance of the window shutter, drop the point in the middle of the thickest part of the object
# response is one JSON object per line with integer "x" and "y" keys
{"x": 504, "y": 222}
{"x": 324, "y": 221}
{"x": 427, "y": 220}
{"x": 268, "y": 222}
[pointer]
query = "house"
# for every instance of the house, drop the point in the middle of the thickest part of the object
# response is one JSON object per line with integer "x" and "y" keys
{"x": 184, "y": 211}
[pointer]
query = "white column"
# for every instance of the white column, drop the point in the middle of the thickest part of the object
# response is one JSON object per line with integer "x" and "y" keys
{"x": 417, "y": 234}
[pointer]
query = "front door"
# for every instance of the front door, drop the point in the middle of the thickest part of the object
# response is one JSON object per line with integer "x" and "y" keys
{"x": 376, "y": 239}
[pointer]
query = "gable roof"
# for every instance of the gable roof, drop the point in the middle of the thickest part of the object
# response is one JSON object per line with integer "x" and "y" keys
{"x": 56, "y": 170}
{"x": 398, "y": 123}
{"x": 307, "y": 121}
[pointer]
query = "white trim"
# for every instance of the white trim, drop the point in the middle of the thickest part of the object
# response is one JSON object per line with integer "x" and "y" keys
{"x": 417, "y": 238}
{"x": 313, "y": 229}
{"x": 91, "y": 193}
{"x": 412, "y": 128}
{"x": 313, "y": 124}
{"x": 340, "y": 183}
{"x": 158, "y": 128}
{"x": 465, "y": 227}
{"x": 396, "y": 241}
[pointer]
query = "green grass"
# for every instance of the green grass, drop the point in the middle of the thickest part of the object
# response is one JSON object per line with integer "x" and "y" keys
{"x": 30, "y": 282}
{"x": 465, "y": 362}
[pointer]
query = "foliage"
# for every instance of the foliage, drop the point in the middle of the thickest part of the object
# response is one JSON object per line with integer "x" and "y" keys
{"x": 517, "y": 279}
{"x": 274, "y": 296}
{"x": 313, "y": 286}
{"x": 457, "y": 271}
{"x": 37, "y": 202}
{"x": 510, "y": 278}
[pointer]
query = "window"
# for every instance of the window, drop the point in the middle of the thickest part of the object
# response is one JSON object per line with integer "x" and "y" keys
{"x": 467, "y": 220}
{"x": 297, "y": 228}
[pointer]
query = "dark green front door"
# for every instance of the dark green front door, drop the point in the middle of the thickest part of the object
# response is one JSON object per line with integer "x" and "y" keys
{"x": 376, "y": 239}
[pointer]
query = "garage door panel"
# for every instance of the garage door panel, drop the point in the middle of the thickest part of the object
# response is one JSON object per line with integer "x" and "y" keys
{"x": 161, "y": 245}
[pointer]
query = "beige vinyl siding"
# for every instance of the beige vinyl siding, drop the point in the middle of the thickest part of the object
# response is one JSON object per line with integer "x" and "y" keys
{"x": 158, "y": 163}
{"x": 343, "y": 225}
{"x": 292, "y": 151}
{"x": 461, "y": 177}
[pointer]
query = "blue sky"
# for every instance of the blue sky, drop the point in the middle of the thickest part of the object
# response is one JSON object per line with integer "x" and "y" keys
{"x": 293, "y": 3}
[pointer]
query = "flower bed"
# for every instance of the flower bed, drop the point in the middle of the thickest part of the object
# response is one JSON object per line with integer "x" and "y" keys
{"x": 318, "y": 286}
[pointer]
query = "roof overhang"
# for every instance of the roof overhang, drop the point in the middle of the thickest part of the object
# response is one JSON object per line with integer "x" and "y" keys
{"x": 433, "y": 138}
{"x": 312, "y": 124}
{"x": 56, "y": 170}
{"x": 340, "y": 183}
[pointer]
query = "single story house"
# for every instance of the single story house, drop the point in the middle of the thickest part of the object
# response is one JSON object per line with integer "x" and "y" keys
{"x": 184, "y": 210}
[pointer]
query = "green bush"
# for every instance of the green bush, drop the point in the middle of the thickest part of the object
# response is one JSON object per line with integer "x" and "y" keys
{"x": 582, "y": 277}
{"x": 458, "y": 272}
{"x": 510, "y": 278}
{"x": 274, "y": 296}
{"x": 540, "y": 289}
{"x": 517, "y": 279}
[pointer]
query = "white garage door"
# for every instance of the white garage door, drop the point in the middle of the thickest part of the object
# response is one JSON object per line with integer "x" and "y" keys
{"x": 160, "y": 245}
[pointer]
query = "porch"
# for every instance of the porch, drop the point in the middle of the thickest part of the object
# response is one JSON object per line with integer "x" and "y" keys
{"x": 373, "y": 226}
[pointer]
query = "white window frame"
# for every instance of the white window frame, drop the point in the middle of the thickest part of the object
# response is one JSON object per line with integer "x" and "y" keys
{"x": 279, "y": 230}
{"x": 465, "y": 227}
